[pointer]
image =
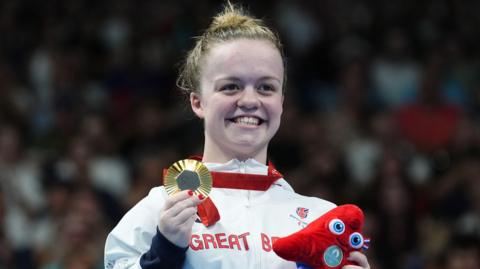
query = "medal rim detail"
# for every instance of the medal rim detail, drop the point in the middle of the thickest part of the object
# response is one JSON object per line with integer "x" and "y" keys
{"x": 205, "y": 177}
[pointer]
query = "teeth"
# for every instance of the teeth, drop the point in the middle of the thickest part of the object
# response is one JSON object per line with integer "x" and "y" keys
{"x": 247, "y": 120}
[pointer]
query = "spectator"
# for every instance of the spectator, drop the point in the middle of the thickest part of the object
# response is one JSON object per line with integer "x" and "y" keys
{"x": 81, "y": 233}
{"x": 431, "y": 122}
{"x": 24, "y": 200}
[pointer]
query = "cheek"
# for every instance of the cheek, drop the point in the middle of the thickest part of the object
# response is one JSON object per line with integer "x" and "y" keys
{"x": 217, "y": 108}
{"x": 275, "y": 109}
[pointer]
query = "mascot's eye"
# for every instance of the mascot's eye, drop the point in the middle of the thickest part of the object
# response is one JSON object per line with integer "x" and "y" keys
{"x": 336, "y": 226}
{"x": 356, "y": 240}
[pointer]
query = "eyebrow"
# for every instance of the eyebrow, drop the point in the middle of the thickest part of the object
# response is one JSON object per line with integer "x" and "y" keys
{"x": 233, "y": 78}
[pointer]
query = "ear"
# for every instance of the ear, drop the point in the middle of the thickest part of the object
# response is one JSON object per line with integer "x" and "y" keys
{"x": 196, "y": 104}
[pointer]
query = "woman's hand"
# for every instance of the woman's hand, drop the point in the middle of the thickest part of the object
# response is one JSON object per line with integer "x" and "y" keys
{"x": 177, "y": 217}
{"x": 359, "y": 258}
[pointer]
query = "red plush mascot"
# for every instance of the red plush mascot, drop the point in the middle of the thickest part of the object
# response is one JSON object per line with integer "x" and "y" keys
{"x": 326, "y": 242}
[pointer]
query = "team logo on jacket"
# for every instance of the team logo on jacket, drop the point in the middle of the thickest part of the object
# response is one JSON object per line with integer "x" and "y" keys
{"x": 300, "y": 217}
{"x": 302, "y": 212}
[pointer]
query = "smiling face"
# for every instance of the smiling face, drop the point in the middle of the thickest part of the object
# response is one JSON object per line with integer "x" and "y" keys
{"x": 240, "y": 99}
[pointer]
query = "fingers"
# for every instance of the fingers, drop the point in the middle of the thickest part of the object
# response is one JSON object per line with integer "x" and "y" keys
{"x": 179, "y": 202}
{"x": 174, "y": 199}
{"x": 177, "y": 218}
{"x": 359, "y": 258}
{"x": 184, "y": 216}
{"x": 189, "y": 222}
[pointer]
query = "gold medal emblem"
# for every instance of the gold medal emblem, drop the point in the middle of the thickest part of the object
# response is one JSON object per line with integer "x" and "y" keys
{"x": 188, "y": 175}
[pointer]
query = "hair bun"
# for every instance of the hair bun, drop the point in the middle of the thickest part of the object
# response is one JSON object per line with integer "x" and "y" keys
{"x": 232, "y": 17}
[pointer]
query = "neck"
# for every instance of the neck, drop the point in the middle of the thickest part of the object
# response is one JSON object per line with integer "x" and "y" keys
{"x": 214, "y": 153}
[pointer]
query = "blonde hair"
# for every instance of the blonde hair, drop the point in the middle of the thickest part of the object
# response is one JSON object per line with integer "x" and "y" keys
{"x": 232, "y": 23}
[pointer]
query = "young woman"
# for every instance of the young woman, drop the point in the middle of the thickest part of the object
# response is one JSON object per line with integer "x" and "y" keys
{"x": 235, "y": 79}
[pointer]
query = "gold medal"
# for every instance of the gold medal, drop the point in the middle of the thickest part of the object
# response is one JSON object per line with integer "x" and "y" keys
{"x": 188, "y": 174}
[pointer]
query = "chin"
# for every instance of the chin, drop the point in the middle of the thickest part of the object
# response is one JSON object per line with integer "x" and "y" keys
{"x": 249, "y": 142}
{"x": 246, "y": 148}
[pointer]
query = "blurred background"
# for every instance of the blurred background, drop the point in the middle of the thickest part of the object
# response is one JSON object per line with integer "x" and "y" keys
{"x": 382, "y": 110}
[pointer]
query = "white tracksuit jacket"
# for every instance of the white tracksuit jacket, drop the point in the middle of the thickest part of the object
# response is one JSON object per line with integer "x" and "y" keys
{"x": 242, "y": 238}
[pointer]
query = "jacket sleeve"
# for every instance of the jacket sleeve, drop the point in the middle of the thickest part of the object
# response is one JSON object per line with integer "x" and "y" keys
{"x": 163, "y": 254}
{"x": 136, "y": 243}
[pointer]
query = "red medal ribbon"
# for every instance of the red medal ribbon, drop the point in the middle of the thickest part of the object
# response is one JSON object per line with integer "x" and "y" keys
{"x": 207, "y": 211}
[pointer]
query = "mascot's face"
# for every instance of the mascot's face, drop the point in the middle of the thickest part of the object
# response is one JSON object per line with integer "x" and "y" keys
{"x": 327, "y": 241}
{"x": 346, "y": 227}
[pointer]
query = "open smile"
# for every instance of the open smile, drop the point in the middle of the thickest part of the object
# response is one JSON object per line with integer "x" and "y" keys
{"x": 247, "y": 120}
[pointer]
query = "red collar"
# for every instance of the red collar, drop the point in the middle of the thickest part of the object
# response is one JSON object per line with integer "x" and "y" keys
{"x": 244, "y": 181}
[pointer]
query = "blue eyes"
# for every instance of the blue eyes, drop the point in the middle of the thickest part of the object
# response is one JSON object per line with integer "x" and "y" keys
{"x": 336, "y": 226}
{"x": 356, "y": 240}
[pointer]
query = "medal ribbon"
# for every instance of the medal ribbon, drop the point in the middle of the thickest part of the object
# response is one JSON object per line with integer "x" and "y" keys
{"x": 208, "y": 212}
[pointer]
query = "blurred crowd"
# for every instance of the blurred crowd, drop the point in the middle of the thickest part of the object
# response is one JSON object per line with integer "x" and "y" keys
{"x": 382, "y": 110}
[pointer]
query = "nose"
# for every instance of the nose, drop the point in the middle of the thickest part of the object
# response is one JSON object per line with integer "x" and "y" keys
{"x": 249, "y": 99}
